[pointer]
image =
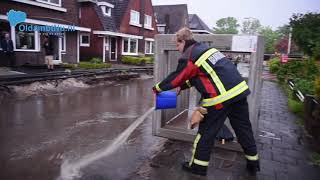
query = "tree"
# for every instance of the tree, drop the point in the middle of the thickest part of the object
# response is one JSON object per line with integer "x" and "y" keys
{"x": 306, "y": 32}
{"x": 251, "y": 26}
{"x": 227, "y": 25}
{"x": 270, "y": 38}
{"x": 283, "y": 31}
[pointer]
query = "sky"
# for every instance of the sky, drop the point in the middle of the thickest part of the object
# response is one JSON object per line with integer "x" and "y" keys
{"x": 273, "y": 13}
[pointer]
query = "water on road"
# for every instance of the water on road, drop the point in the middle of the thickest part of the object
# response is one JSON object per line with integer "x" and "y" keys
{"x": 39, "y": 133}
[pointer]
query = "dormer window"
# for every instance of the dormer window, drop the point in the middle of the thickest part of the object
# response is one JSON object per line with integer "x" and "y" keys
{"x": 106, "y": 8}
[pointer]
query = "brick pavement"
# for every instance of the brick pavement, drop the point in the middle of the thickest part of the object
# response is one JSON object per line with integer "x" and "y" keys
{"x": 284, "y": 152}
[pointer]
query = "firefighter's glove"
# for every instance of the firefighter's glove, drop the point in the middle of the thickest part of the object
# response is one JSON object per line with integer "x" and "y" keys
{"x": 197, "y": 116}
{"x": 154, "y": 89}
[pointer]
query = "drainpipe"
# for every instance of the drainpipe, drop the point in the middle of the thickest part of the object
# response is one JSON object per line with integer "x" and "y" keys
{"x": 141, "y": 32}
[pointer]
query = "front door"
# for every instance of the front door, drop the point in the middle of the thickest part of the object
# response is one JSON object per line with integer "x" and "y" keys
{"x": 113, "y": 48}
{"x": 56, "y": 44}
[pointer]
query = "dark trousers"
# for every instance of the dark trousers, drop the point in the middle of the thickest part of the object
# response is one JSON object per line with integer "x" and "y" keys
{"x": 238, "y": 114}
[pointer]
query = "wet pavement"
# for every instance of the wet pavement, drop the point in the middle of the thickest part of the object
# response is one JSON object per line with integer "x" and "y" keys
{"x": 284, "y": 150}
{"x": 39, "y": 133}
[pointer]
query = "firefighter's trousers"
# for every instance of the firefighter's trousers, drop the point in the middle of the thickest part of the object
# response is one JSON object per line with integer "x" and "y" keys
{"x": 238, "y": 114}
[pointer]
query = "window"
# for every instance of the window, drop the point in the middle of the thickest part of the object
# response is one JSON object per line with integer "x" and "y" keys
{"x": 149, "y": 47}
{"x": 26, "y": 40}
{"x": 85, "y": 40}
{"x": 130, "y": 46}
{"x": 161, "y": 28}
{"x": 135, "y": 18}
{"x": 147, "y": 21}
{"x": 51, "y": 2}
{"x": 106, "y": 10}
{"x": 63, "y": 42}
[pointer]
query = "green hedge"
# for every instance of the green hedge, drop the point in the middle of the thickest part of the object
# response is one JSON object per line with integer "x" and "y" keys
{"x": 137, "y": 60}
{"x": 94, "y": 63}
{"x": 274, "y": 65}
{"x": 303, "y": 73}
{"x": 89, "y": 65}
{"x": 295, "y": 106}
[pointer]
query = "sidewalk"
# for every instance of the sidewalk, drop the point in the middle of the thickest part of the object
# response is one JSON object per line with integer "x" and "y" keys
{"x": 284, "y": 153}
{"x": 4, "y": 71}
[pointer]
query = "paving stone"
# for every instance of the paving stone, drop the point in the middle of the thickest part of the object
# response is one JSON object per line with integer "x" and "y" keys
{"x": 281, "y": 176}
{"x": 266, "y": 154}
{"x": 284, "y": 159}
{"x": 225, "y": 155}
{"x": 299, "y": 155}
{"x": 281, "y": 144}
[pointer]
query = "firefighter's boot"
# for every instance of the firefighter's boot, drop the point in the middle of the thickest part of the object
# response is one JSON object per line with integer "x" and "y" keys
{"x": 194, "y": 169}
{"x": 253, "y": 167}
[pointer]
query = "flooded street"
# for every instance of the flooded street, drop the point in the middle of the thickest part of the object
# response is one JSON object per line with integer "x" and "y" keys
{"x": 38, "y": 134}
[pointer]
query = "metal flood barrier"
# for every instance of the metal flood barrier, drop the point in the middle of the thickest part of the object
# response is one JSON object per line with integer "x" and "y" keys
{"x": 173, "y": 123}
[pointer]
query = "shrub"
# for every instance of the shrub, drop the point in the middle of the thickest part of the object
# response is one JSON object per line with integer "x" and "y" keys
{"x": 317, "y": 88}
{"x": 295, "y": 106}
{"x": 137, "y": 60}
{"x": 282, "y": 74}
{"x": 311, "y": 69}
{"x": 96, "y": 61}
{"x": 274, "y": 65}
{"x": 305, "y": 86}
{"x": 88, "y": 65}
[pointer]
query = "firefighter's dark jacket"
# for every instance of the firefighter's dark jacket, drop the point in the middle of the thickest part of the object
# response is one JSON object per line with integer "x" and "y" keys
{"x": 189, "y": 74}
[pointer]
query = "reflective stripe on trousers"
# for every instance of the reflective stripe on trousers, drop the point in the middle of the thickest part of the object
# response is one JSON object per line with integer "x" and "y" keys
{"x": 197, "y": 161}
{"x": 252, "y": 158}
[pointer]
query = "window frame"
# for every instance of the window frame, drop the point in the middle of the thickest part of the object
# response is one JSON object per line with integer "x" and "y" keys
{"x": 64, "y": 43}
{"x": 146, "y": 24}
{"x": 84, "y": 44}
{"x": 129, "y": 46}
{"x": 36, "y": 41}
{"x": 151, "y": 47}
{"x": 104, "y": 9}
{"x": 137, "y": 18}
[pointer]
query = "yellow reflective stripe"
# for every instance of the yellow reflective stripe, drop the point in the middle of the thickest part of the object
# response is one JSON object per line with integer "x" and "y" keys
{"x": 252, "y": 158}
{"x": 188, "y": 83}
{"x": 214, "y": 77}
{"x": 195, "y": 143}
{"x": 201, "y": 163}
{"x": 205, "y": 56}
{"x": 226, "y": 96}
{"x": 158, "y": 88}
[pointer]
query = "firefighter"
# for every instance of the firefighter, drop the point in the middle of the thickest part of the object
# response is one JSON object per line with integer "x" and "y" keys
{"x": 224, "y": 94}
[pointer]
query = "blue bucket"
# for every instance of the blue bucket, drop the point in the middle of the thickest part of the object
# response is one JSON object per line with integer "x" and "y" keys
{"x": 166, "y": 100}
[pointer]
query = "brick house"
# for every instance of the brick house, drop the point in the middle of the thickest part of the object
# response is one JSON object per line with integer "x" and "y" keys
{"x": 170, "y": 18}
{"x": 119, "y": 27}
{"x": 28, "y": 44}
{"x": 197, "y": 26}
